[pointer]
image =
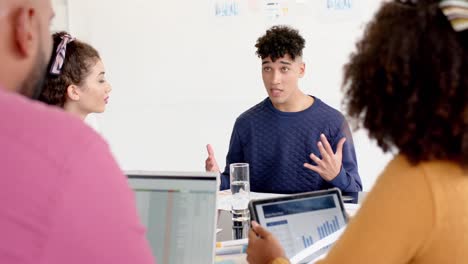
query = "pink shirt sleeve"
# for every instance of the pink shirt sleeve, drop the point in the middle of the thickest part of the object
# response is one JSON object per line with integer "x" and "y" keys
{"x": 95, "y": 218}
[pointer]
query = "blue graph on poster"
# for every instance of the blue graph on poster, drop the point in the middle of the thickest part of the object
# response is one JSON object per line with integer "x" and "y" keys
{"x": 227, "y": 8}
{"x": 339, "y": 4}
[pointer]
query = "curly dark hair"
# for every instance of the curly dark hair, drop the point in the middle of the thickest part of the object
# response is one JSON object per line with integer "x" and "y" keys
{"x": 279, "y": 41}
{"x": 79, "y": 60}
{"x": 407, "y": 83}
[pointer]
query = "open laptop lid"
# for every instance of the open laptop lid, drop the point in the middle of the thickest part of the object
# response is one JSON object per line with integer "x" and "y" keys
{"x": 300, "y": 220}
{"x": 179, "y": 212}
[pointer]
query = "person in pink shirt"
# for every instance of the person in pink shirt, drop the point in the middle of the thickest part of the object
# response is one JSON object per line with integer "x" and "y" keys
{"x": 76, "y": 77}
{"x": 63, "y": 198}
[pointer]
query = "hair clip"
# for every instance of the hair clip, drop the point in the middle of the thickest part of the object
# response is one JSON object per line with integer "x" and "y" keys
{"x": 456, "y": 12}
{"x": 60, "y": 52}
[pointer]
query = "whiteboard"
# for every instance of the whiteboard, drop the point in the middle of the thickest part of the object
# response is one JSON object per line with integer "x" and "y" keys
{"x": 182, "y": 71}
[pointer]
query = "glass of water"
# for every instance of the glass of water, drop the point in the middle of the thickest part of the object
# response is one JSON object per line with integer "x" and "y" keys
{"x": 240, "y": 188}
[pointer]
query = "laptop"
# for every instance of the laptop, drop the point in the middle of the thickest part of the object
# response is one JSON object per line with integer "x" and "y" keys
{"x": 179, "y": 212}
{"x": 300, "y": 220}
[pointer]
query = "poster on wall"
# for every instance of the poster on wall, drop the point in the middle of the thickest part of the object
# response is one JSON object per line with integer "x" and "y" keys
{"x": 276, "y": 9}
{"x": 336, "y": 11}
{"x": 61, "y": 20}
{"x": 269, "y": 9}
{"x": 227, "y": 8}
{"x": 254, "y": 6}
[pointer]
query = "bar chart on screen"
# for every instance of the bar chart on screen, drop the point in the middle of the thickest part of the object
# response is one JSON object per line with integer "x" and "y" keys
{"x": 328, "y": 228}
{"x": 307, "y": 240}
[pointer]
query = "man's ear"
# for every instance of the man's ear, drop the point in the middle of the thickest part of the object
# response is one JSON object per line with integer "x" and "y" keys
{"x": 302, "y": 68}
{"x": 23, "y": 30}
{"x": 73, "y": 93}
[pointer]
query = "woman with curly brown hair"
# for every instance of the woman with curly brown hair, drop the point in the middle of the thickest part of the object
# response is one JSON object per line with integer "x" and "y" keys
{"x": 407, "y": 83}
{"x": 76, "y": 78}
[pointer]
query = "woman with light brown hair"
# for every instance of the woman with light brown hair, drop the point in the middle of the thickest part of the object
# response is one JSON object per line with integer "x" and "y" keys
{"x": 76, "y": 78}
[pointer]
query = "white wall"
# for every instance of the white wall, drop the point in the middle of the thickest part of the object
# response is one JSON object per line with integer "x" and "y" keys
{"x": 181, "y": 76}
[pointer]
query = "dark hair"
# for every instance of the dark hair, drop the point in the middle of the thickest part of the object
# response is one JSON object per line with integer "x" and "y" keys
{"x": 279, "y": 41}
{"x": 407, "y": 83}
{"x": 79, "y": 59}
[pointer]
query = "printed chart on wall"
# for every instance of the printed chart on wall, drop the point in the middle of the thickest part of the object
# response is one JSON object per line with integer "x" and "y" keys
{"x": 327, "y": 11}
{"x": 269, "y": 9}
{"x": 335, "y": 11}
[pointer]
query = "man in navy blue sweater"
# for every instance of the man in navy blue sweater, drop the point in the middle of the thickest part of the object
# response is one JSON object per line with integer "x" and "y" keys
{"x": 293, "y": 142}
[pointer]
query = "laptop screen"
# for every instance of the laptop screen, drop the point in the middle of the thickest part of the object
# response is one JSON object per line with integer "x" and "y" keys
{"x": 179, "y": 212}
{"x": 298, "y": 221}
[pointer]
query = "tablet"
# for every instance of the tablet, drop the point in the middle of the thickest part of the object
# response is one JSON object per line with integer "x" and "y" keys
{"x": 299, "y": 220}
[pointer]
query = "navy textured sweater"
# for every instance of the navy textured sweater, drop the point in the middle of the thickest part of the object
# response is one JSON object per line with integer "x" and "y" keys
{"x": 276, "y": 145}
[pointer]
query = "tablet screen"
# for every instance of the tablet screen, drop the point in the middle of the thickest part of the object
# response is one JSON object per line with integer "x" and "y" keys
{"x": 300, "y": 220}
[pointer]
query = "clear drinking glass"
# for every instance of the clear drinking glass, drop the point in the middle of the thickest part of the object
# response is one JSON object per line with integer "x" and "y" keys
{"x": 240, "y": 189}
